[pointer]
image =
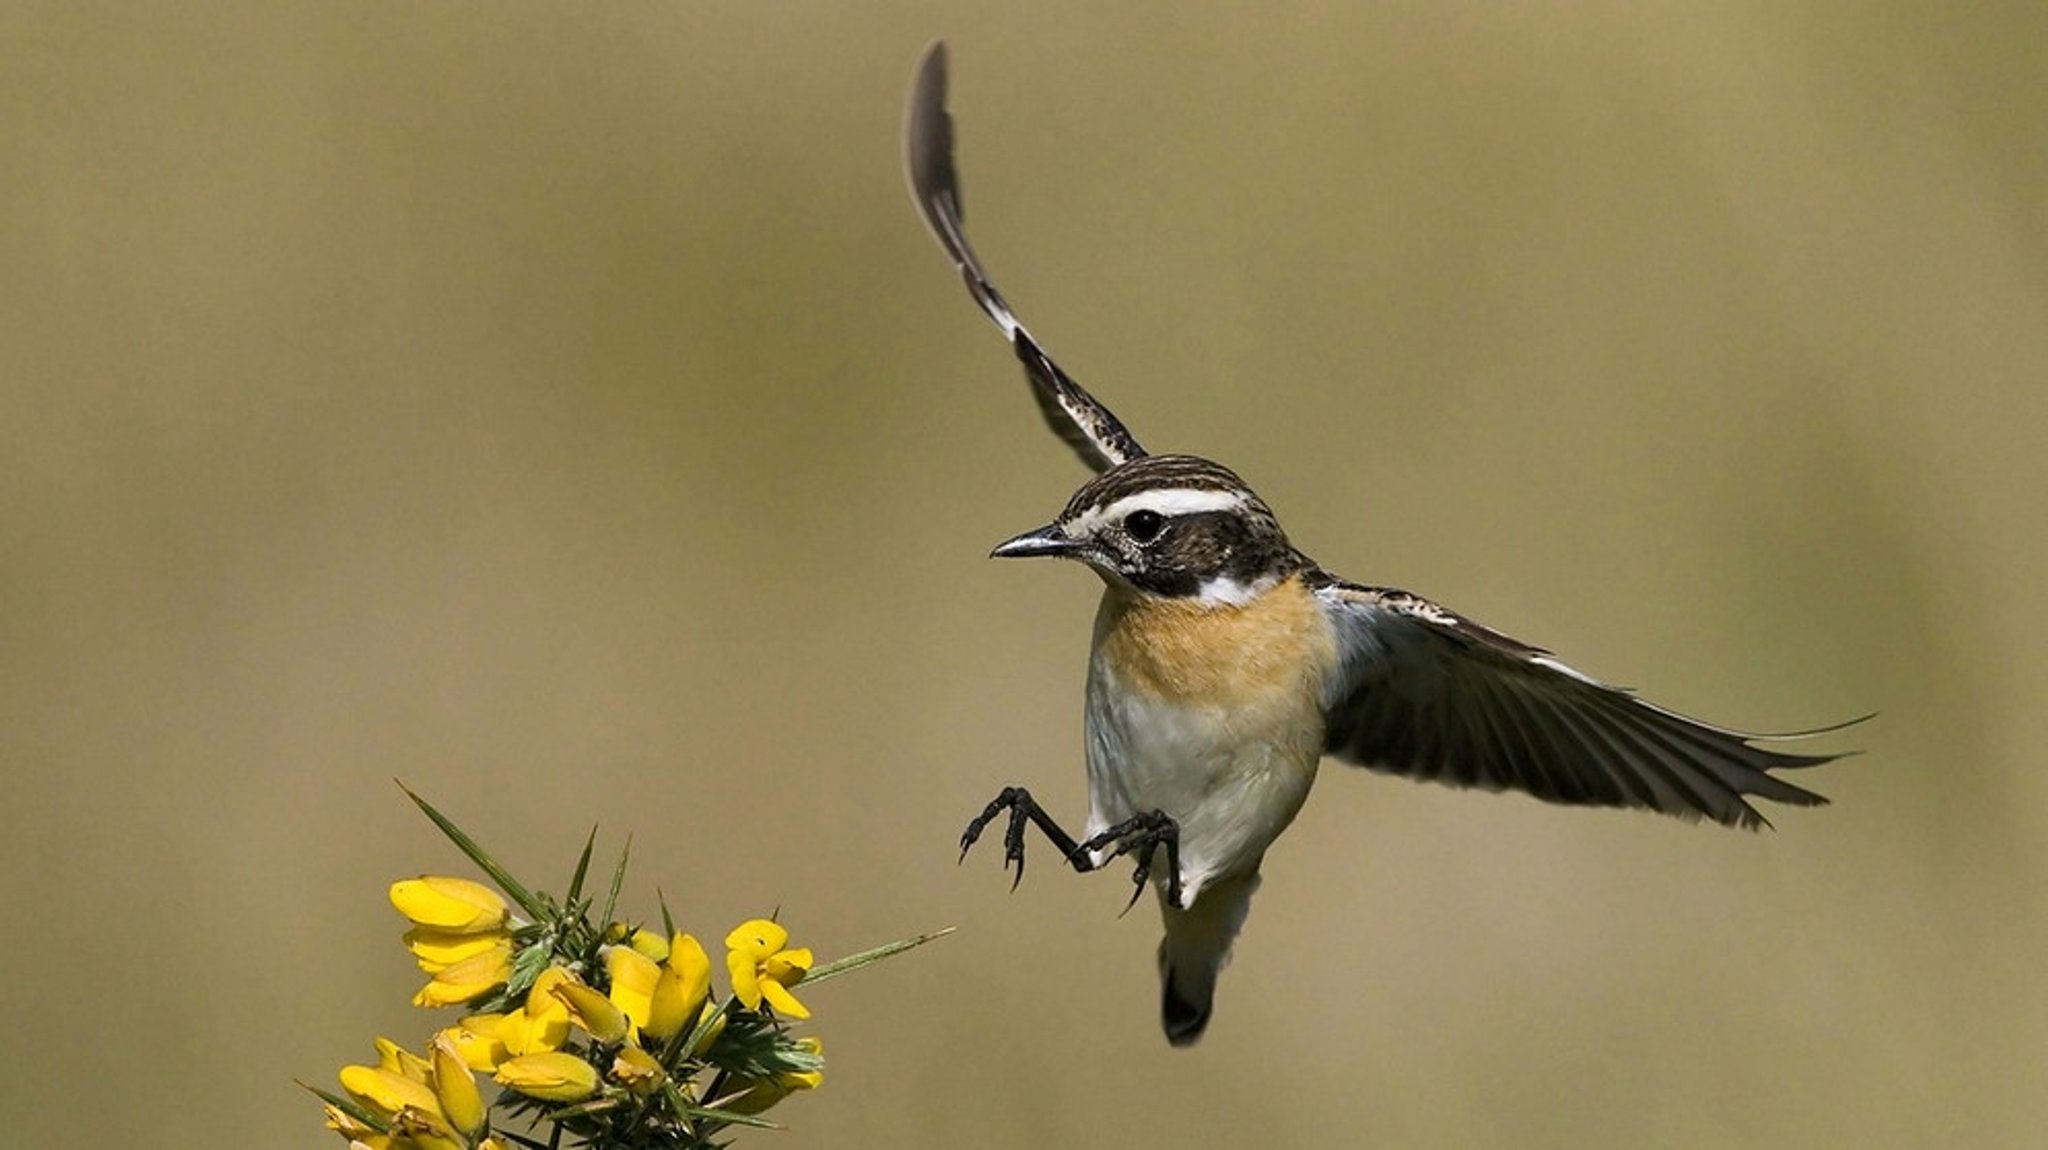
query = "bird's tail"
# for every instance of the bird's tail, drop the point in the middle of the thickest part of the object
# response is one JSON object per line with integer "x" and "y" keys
{"x": 1194, "y": 951}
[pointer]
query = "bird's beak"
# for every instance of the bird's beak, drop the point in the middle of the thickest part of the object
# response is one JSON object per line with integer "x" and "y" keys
{"x": 1047, "y": 540}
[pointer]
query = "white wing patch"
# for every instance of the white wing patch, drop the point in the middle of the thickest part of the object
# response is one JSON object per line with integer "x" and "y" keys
{"x": 1553, "y": 664}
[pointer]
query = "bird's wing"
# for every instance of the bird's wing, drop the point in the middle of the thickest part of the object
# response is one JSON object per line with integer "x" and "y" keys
{"x": 1422, "y": 692}
{"x": 1095, "y": 434}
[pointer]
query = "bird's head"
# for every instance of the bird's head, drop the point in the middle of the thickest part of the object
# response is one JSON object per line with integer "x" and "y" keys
{"x": 1169, "y": 527}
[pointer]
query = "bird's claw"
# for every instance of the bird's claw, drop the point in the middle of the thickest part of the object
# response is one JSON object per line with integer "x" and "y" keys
{"x": 1141, "y": 836}
{"x": 1020, "y": 805}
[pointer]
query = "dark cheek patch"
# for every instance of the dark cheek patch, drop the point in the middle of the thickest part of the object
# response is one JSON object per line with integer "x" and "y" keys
{"x": 1167, "y": 582}
{"x": 1196, "y": 548}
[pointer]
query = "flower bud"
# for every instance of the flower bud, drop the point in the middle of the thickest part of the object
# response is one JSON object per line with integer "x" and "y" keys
{"x": 456, "y": 1088}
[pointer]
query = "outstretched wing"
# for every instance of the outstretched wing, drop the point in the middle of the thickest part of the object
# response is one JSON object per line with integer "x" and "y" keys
{"x": 1097, "y": 436}
{"x": 1422, "y": 692}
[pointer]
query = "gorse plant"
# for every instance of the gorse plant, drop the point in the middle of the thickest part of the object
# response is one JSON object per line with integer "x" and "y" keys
{"x": 597, "y": 1029}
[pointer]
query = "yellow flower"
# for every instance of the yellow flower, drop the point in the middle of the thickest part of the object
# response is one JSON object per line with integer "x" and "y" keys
{"x": 543, "y": 1023}
{"x": 594, "y": 1012}
{"x": 386, "y": 1092}
{"x": 400, "y": 1090}
{"x": 469, "y": 979}
{"x": 633, "y": 976}
{"x": 761, "y": 967}
{"x": 455, "y": 1087}
{"x": 400, "y": 1061}
{"x": 637, "y": 1070}
{"x": 761, "y": 1093}
{"x": 476, "y": 1041}
{"x": 550, "y": 1077}
{"x": 683, "y": 987}
{"x": 455, "y": 905}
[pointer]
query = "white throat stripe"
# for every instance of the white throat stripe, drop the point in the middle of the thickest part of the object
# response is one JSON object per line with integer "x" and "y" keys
{"x": 1223, "y": 591}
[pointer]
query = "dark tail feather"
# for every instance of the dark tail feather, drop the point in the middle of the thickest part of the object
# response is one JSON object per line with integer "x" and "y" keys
{"x": 1192, "y": 954}
{"x": 1184, "y": 1019}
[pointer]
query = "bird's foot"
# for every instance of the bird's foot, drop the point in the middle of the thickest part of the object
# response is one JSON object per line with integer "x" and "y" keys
{"x": 1023, "y": 810}
{"x": 1140, "y": 836}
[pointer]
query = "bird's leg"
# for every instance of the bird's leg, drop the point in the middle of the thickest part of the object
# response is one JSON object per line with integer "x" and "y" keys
{"x": 1140, "y": 835}
{"x": 1023, "y": 809}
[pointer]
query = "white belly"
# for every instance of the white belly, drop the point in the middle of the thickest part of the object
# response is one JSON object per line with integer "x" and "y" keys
{"x": 1232, "y": 778}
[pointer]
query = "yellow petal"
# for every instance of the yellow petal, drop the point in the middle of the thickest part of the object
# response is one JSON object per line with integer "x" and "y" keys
{"x": 684, "y": 984}
{"x": 437, "y": 950}
{"x": 541, "y": 1002}
{"x": 806, "y": 1079}
{"x": 455, "y": 1087}
{"x": 633, "y": 978}
{"x": 468, "y": 980}
{"x": 760, "y": 1094}
{"x": 450, "y": 904}
{"x": 348, "y": 1125}
{"x": 637, "y": 1070}
{"x": 788, "y": 967}
{"x": 758, "y": 937}
{"x": 650, "y": 944}
{"x": 594, "y": 1012}
{"x": 712, "y": 1030}
{"x": 543, "y": 1023}
{"x": 419, "y": 1130}
{"x": 782, "y": 1000}
{"x": 477, "y": 1042}
{"x": 551, "y": 1077}
{"x": 746, "y": 978}
{"x": 398, "y": 1060}
{"x": 524, "y": 1034}
{"x": 386, "y": 1092}
{"x": 484, "y": 1024}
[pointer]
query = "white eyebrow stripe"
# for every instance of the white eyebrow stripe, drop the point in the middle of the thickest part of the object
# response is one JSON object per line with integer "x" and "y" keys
{"x": 1178, "y": 501}
{"x": 1164, "y": 500}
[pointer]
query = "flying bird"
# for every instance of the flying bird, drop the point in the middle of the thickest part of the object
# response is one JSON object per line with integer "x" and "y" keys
{"x": 1226, "y": 664}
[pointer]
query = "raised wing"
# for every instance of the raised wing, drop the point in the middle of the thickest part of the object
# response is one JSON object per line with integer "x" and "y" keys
{"x": 1096, "y": 435}
{"x": 1424, "y": 693}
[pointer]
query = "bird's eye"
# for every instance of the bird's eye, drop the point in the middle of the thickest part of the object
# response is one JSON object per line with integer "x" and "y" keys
{"x": 1144, "y": 525}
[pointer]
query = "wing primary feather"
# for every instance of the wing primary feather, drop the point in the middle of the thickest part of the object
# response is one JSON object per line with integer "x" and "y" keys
{"x": 1650, "y": 790}
{"x": 1398, "y": 742}
{"x": 1700, "y": 790}
{"x": 1080, "y": 421}
{"x": 1569, "y": 786}
{"x": 1426, "y": 693}
{"x": 1740, "y": 766}
{"x": 1496, "y": 761}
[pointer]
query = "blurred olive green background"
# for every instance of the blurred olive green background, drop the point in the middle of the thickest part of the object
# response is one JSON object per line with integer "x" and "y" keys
{"x": 561, "y": 409}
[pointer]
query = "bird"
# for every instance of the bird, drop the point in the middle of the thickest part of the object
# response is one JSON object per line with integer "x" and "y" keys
{"x": 1225, "y": 665}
